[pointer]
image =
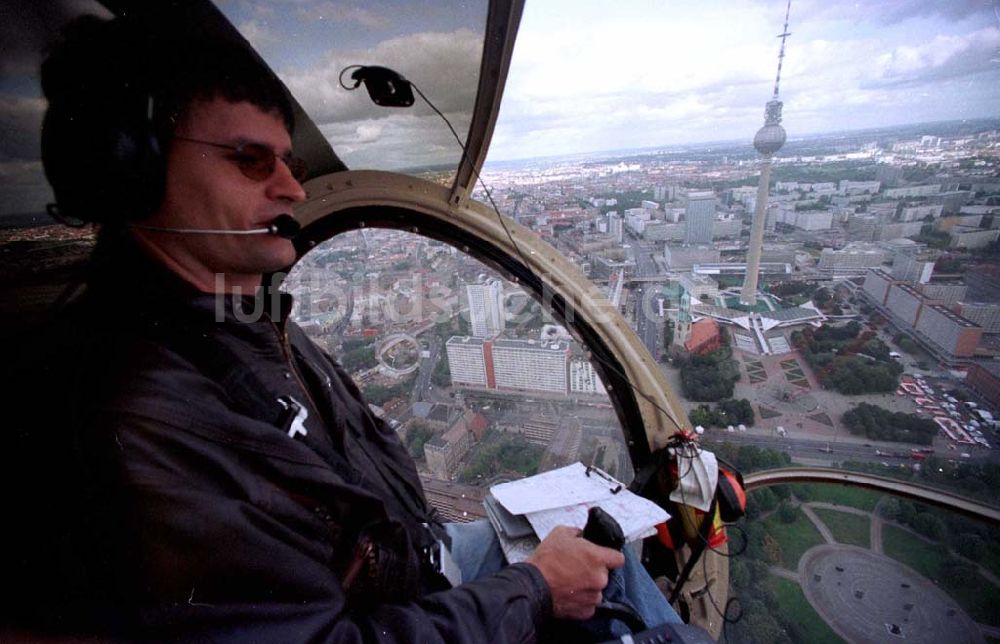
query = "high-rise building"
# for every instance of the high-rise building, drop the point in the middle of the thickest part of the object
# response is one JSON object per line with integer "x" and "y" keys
{"x": 699, "y": 217}
{"x": 526, "y": 365}
{"x": 469, "y": 361}
{"x": 767, "y": 141}
{"x": 486, "y": 308}
{"x": 852, "y": 260}
{"x": 954, "y": 335}
{"x": 615, "y": 227}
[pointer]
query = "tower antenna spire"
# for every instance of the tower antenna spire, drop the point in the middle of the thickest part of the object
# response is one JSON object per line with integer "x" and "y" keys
{"x": 781, "y": 54}
{"x": 767, "y": 142}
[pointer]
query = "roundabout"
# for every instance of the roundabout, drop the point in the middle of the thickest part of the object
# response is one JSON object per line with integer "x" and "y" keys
{"x": 399, "y": 354}
{"x": 867, "y": 597}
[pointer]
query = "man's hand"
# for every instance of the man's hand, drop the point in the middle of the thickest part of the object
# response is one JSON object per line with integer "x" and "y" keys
{"x": 576, "y": 571}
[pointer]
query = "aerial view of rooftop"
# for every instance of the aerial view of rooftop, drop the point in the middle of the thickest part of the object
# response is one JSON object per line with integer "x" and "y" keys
{"x": 788, "y": 212}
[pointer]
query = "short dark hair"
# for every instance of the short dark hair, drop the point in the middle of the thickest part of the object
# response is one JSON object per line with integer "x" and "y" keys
{"x": 114, "y": 57}
{"x": 116, "y": 93}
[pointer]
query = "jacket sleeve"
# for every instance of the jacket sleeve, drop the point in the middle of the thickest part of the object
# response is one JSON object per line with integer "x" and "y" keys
{"x": 217, "y": 559}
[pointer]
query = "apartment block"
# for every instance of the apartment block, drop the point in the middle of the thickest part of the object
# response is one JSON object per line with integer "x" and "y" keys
{"x": 953, "y": 334}
{"x": 877, "y": 284}
{"x": 905, "y": 303}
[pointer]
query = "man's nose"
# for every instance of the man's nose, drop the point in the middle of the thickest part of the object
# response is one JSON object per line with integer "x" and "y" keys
{"x": 282, "y": 185}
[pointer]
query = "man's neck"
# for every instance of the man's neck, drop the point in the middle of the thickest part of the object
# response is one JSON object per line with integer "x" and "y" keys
{"x": 218, "y": 283}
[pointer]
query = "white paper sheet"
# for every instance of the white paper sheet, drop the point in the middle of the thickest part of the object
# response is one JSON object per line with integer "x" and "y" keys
{"x": 636, "y": 516}
{"x": 559, "y": 488}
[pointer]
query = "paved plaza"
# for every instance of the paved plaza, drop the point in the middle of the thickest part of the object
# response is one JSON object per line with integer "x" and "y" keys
{"x": 784, "y": 392}
{"x": 867, "y": 597}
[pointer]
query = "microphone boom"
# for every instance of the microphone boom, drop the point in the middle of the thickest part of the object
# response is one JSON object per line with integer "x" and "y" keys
{"x": 283, "y": 226}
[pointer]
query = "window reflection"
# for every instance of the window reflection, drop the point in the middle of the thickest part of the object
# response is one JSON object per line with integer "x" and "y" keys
{"x": 479, "y": 381}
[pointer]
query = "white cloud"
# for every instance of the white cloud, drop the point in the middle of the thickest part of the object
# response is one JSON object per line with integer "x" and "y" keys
{"x": 258, "y": 34}
{"x": 344, "y": 12}
{"x": 680, "y": 74}
{"x": 445, "y": 66}
{"x": 945, "y": 56}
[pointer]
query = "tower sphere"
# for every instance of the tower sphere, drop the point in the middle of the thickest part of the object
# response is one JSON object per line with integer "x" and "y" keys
{"x": 769, "y": 139}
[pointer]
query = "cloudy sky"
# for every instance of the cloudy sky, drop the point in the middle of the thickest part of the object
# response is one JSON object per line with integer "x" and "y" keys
{"x": 587, "y": 75}
{"x": 592, "y": 75}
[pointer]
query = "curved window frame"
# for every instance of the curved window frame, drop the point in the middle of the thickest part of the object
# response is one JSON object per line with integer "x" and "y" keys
{"x": 352, "y": 200}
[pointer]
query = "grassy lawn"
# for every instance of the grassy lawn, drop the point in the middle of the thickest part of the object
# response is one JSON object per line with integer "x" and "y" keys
{"x": 855, "y": 497}
{"x": 794, "y": 538}
{"x": 795, "y": 608}
{"x": 979, "y": 598}
{"x": 851, "y": 529}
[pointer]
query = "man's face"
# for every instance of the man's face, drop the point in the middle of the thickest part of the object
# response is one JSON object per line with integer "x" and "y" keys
{"x": 206, "y": 189}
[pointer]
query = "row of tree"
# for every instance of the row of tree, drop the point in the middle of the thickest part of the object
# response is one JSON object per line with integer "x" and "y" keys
{"x": 727, "y": 412}
{"x": 881, "y": 424}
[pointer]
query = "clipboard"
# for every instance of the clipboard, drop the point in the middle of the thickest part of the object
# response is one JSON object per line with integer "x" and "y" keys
{"x": 512, "y": 526}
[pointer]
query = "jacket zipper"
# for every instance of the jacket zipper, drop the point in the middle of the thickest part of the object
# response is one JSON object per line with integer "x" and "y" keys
{"x": 286, "y": 351}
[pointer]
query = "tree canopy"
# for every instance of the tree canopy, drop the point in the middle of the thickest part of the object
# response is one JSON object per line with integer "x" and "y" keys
{"x": 881, "y": 424}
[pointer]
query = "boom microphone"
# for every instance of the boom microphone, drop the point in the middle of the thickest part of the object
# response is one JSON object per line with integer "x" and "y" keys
{"x": 283, "y": 226}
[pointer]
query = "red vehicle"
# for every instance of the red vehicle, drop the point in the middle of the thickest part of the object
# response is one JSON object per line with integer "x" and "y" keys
{"x": 918, "y": 456}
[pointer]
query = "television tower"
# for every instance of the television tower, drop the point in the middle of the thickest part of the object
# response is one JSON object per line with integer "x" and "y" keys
{"x": 768, "y": 140}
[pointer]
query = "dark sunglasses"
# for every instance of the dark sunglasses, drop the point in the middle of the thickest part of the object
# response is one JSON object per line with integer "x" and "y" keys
{"x": 255, "y": 160}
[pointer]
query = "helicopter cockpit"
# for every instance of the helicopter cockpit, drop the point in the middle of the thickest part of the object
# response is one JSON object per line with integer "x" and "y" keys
{"x": 506, "y": 320}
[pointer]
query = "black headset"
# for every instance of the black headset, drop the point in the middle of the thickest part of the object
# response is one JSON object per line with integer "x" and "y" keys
{"x": 106, "y": 163}
{"x": 101, "y": 149}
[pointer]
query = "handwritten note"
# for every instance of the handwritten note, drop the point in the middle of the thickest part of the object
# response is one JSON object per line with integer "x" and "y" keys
{"x": 565, "y": 496}
{"x": 559, "y": 488}
{"x": 636, "y": 516}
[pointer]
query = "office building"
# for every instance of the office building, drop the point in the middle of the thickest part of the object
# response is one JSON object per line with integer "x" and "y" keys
{"x": 974, "y": 238}
{"x": 847, "y": 187}
{"x": 898, "y": 230}
{"x": 486, "y": 308}
{"x": 583, "y": 379}
{"x": 906, "y": 268}
{"x": 955, "y": 336}
{"x": 919, "y": 213}
{"x": 726, "y": 228}
{"x": 984, "y": 377}
{"x": 616, "y": 227}
{"x": 699, "y": 217}
{"x": 905, "y": 303}
{"x": 527, "y": 365}
{"x": 852, "y": 260}
{"x": 682, "y": 258}
{"x": 943, "y": 293}
{"x": 985, "y": 314}
{"x": 468, "y": 361}
{"x": 877, "y": 284}
{"x": 912, "y": 192}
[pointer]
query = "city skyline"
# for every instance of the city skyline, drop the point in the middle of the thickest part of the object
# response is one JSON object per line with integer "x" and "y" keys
{"x": 584, "y": 78}
{"x": 583, "y": 81}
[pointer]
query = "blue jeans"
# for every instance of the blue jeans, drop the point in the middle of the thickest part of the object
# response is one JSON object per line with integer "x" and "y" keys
{"x": 477, "y": 552}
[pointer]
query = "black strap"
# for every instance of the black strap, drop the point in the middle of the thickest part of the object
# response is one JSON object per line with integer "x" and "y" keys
{"x": 697, "y": 549}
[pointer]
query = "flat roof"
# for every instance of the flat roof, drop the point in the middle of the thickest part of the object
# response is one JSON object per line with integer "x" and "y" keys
{"x": 554, "y": 345}
{"x": 909, "y": 289}
{"x": 955, "y": 317}
{"x": 465, "y": 340}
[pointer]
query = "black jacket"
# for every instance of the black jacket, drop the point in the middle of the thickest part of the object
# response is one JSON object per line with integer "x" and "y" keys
{"x": 150, "y": 502}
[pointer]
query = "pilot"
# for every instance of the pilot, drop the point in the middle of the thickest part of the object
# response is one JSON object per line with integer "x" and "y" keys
{"x": 186, "y": 464}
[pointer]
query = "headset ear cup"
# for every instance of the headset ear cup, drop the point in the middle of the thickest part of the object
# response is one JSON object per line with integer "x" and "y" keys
{"x": 138, "y": 167}
{"x": 104, "y": 165}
